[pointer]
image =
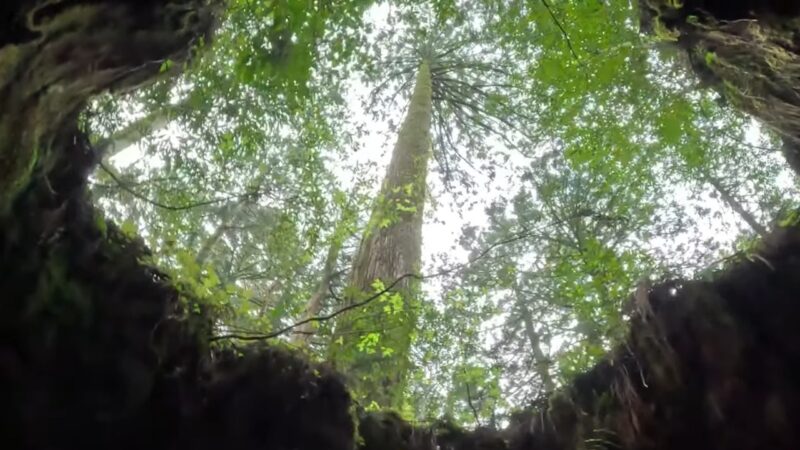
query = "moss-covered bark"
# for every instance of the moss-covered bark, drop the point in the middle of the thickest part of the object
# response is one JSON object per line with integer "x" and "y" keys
{"x": 55, "y": 54}
{"x": 747, "y": 49}
{"x": 390, "y": 253}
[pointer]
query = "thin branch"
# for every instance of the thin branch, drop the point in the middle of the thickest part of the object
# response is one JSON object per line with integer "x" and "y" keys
{"x": 257, "y": 337}
{"x": 124, "y": 186}
{"x": 469, "y": 401}
{"x": 135, "y": 183}
{"x": 561, "y": 27}
{"x": 324, "y": 318}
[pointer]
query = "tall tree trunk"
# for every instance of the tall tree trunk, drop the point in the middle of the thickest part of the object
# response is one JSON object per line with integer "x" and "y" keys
{"x": 371, "y": 343}
{"x": 230, "y": 215}
{"x": 735, "y": 205}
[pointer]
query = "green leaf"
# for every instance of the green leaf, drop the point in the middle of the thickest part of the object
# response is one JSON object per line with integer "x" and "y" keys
{"x": 710, "y": 58}
{"x": 166, "y": 65}
{"x": 670, "y": 129}
{"x": 128, "y": 228}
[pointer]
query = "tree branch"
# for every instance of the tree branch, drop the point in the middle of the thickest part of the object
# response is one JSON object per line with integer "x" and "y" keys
{"x": 124, "y": 186}
{"x": 323, "y": 318}
{"x": 469, "y": 401}
{"x": 563, "y": 31}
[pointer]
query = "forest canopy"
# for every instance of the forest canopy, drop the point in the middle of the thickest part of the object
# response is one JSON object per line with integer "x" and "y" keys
{"x": 459, "y": 207}
{"x": 571, "y": 158}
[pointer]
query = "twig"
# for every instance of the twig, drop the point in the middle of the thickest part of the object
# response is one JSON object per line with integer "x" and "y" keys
{"x": 124, "y": 186}
{"x": 563, "y": 31}
{"x": 324, "y": 318}
{"x": 469, "y": 401}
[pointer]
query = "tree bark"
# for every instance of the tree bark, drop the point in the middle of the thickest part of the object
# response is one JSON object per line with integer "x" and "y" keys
{"x": 83, "y": 316}
{"x": 390, "y": 250}
{"x": 52, "y": 59}
{"x": 746, "y": 49}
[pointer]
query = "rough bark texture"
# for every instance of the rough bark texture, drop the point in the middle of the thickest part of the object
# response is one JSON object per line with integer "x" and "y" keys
{"x": 390, "y": 250}
{"x": 55, "y": 54}
{"x": 747, "y": 49}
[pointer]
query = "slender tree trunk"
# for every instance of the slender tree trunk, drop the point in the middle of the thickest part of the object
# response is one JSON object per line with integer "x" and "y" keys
{"x": 371, "y": 343}
{"x": 735, "y": 205}
{"x": 229, "y": 216}
{"x": 268, "y": 300}
{"x": 541, "y": 362}
{"x": 315, "y": 302}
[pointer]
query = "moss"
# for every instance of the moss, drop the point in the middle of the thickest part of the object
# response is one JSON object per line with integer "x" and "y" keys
{"x": 16, "y": 169}
{"x": 46, "y": 50}
{"x": 745, "y": 49}
{"x": 664, "y": 33}
{"x": 10, "y": 56}
{"x": 51, "y": 18}
{"x": 104, "y": 345}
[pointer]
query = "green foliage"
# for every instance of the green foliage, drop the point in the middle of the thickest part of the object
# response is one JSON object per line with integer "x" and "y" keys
{"x": 368, "y": 343}
{"x": 599, "y": 160}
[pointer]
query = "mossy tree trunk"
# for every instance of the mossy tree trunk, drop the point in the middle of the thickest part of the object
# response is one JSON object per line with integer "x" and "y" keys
{"x": 371, "y": 344}
{"x": 97, "y": 348}
{"x": 83, "y": 322}
{"x": 747, "y": 49}
{"x": 55, "y": 55}
{"x": 705, "y": 364}
{"x": 94, "y": 354}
